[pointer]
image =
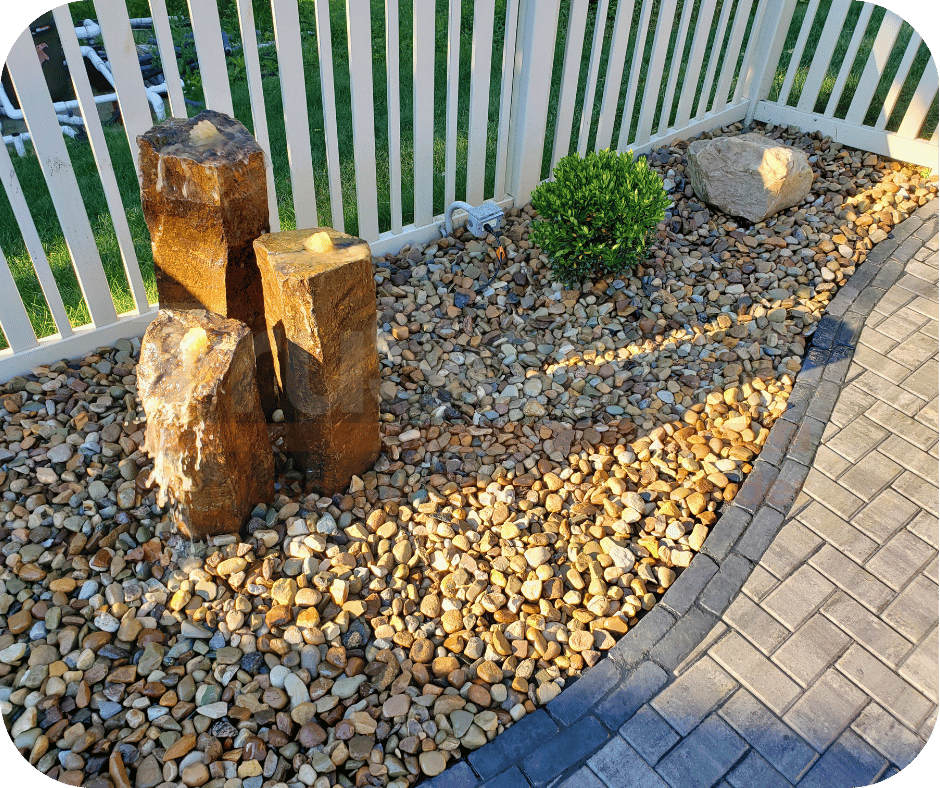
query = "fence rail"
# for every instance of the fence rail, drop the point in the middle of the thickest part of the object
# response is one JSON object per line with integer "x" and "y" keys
{"x": 495, "y": 93}
{"x": 864, "y": 123}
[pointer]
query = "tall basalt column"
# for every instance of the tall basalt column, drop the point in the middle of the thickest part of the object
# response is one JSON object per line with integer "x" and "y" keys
{"x": 206, "y": 431}
{"x": 204, "y": 197}
{"x": 319, "y": 302}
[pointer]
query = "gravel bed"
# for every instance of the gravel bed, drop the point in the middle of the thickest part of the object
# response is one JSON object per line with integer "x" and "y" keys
{"x": 552, "y": 459}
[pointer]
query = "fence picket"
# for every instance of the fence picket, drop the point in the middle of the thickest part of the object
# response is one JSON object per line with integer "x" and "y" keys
{"x": 505, "y": 98}
{"x": 587, "y": 109}
{"x": 749, "y": 65}
{"x": 483, "y": 13}
{"x": 210, "y": 52}
{"x": 99, "y": 149}
{"x": 37, "y": 254}
{"x": 393, "y": 99}
{"x": 877, "y": 60}
{"x": 730, "y": 66}
{"x": 125, "y": 71}
{"x": 654, "y": 74}
{"x": 30, "y": 86}
{"x": 13, "y": 318}
{"x": 171, "y": 69}
{"x": 797, "y": 54}
{"x": 904, "y": 67}
{"x": 246, "y": 22}
{"x": 920, "y": 102}
{"x": 628, "y": 104}
{"x": 423, "y": 90}
{"x": 294, "y": 102}
{"x": 915, "y": 151}
{"x": 574, "y": 46}
{"x": 694, "y": 67}
{"x": 530, "y": 116}
{"x": 328, "y": 94}
{"x": 860, "y": 24}
{"x": 713, "y": 53}
{"x": 670, "y": 95}
{"x": 835, "y": 20}
{"x": 359, "y": 37}
{"x": 623, "y": 21}
{"x": 453, "y": 93}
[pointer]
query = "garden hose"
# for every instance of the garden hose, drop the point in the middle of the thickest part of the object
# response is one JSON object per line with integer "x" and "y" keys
{"x": 461, "y": 300}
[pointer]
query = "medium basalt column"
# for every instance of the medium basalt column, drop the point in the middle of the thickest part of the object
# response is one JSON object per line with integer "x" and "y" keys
{"x": 204, "y": 198}
{"x": 319, "y": 302}
{"x": 206, "y": 431}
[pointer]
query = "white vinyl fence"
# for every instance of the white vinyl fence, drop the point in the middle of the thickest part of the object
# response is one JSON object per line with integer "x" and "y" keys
{"x": 547, "y": 78}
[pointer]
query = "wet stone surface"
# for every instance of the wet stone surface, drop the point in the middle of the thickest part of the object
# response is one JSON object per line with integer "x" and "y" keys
{"x": 551, "y": 460}
{"x": 320, "y": 311}
{"x": 204, "y": 198}
{"x": 205, "y": 428}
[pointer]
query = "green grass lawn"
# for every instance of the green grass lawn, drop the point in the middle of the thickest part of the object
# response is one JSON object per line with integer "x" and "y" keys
{"x": 37, "y": 196}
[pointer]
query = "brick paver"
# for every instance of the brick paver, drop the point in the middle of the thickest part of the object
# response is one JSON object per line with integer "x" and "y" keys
{"x": 834, "y": 635}
{"x": 801, "y": 646}
{"x": 811, "y": 649}
{"x": 825, "y": 709}
{"x": 687, "y": 701}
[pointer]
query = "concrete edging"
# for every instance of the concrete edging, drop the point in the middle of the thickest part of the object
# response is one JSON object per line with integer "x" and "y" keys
{"x": 556, "y": 739}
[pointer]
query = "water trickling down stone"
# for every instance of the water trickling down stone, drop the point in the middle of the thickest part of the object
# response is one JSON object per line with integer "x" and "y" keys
{"x": 319, "y": 303}
{"x": 205, "y": 428}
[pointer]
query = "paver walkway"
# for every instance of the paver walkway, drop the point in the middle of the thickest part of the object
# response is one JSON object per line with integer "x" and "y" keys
{"x": 823, "y": 671}
{"x": 799, "y": 648}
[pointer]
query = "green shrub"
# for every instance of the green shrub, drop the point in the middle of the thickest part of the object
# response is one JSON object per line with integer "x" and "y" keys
{"x": 598, "y": 214}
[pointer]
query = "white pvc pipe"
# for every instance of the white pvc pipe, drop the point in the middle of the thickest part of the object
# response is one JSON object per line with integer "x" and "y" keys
{"x": 17, "y": 139}
{"x": 8, "y": 109}
{"x": 153, "y": 92}
{"x": 62, "y": 107}
{"x": 98, "y": 63}
{"x": 153, "y": 95}
{"x": 147, "y": 21}
{"x": 89, "y": 30}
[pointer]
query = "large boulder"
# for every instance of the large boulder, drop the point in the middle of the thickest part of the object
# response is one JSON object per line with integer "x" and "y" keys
{"x": 749, "y": 176}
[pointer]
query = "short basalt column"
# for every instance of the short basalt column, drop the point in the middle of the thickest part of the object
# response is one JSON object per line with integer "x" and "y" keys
{"x": 204, "y": 197}
{"x": 206, "y": 431}
{"x": 319, "y": 302}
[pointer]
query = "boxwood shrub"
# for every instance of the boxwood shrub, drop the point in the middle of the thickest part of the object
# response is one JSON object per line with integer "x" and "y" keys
{"x": 598, "y": 214}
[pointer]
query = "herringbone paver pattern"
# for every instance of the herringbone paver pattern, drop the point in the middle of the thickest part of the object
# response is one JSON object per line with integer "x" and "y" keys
{"x": 823, "y": 670}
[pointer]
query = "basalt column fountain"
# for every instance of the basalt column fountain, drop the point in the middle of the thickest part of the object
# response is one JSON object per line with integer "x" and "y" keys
{"x": 319, "y": 303}
{"x": 230, "y": 293}
{"x": 206, "y": 431}
{"x": 204, "y": 197}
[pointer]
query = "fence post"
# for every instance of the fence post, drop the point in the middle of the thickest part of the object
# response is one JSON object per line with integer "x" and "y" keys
{"x": 765, "y": 55}
{"x": 535, "y": 53}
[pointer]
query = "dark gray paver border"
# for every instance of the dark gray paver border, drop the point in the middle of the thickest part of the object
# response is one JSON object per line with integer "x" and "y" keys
{"x": 556, "y": 740}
